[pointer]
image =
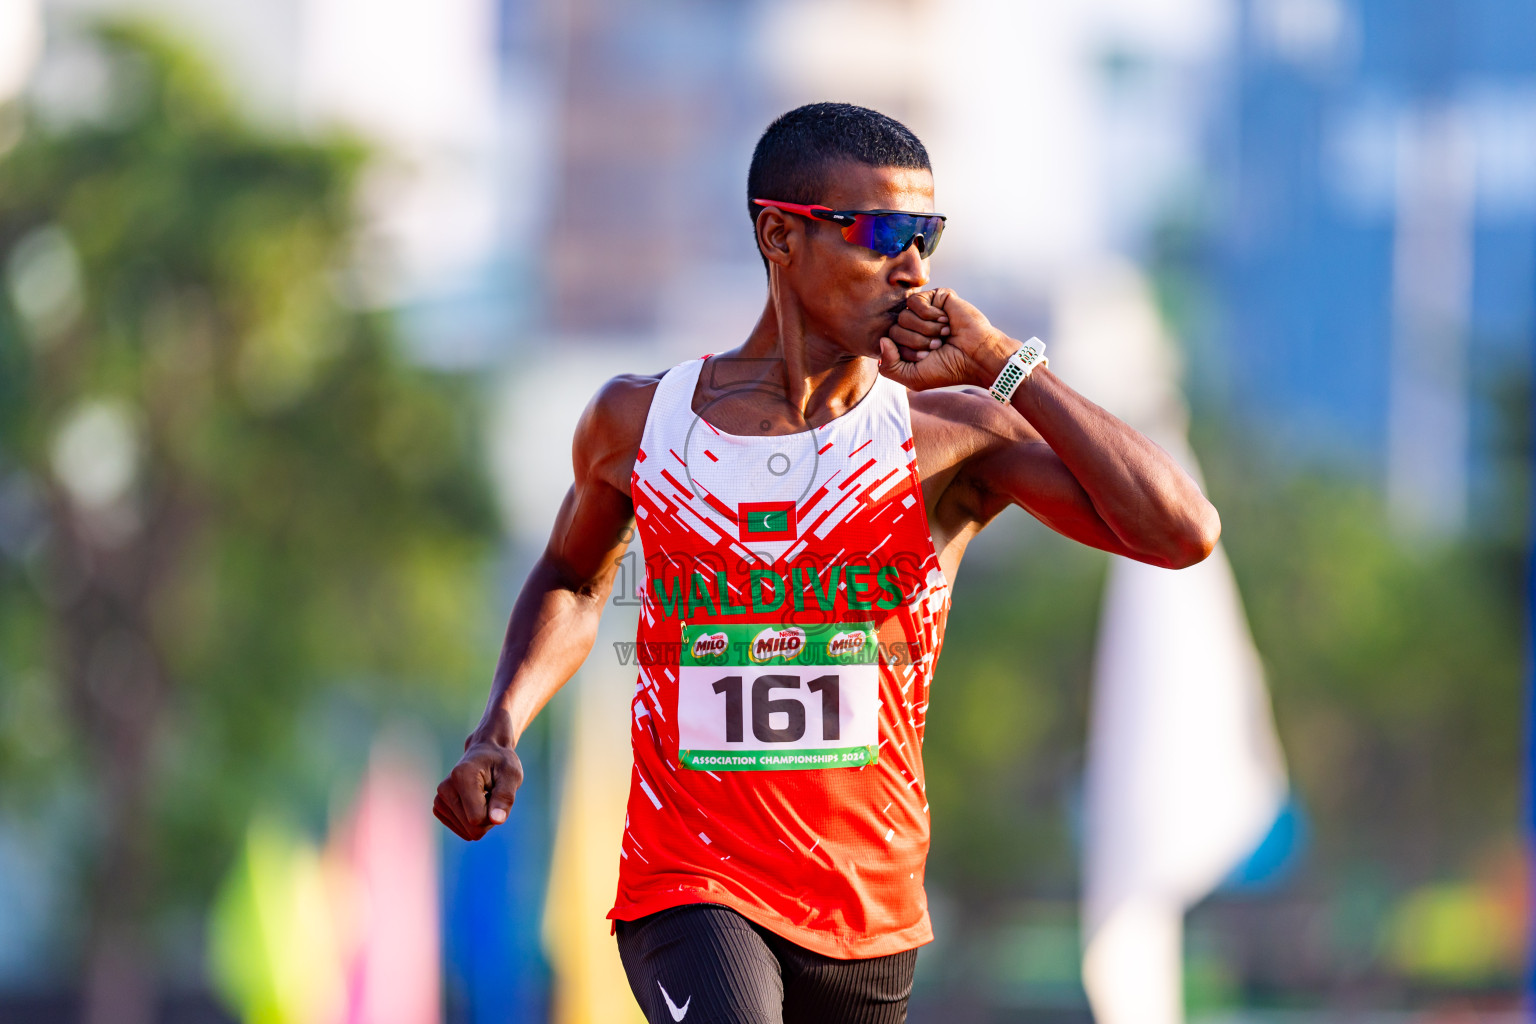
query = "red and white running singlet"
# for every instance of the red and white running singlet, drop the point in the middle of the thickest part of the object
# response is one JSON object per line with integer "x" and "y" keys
{"x": 794, "y": 608}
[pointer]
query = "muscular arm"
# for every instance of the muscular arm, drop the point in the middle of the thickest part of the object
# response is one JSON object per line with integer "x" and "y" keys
{"x": 1093, "y": 478}
{"x": 555, "y": 618}
{"x": 1070, "y": 463}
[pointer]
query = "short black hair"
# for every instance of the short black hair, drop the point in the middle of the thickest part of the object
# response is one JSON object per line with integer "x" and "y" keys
{"x": 799, "y": 149}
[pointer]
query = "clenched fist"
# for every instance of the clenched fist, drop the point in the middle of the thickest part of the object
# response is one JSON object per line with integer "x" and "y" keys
{"x": 478, "y": 793}
{"x": 940, "y": 340}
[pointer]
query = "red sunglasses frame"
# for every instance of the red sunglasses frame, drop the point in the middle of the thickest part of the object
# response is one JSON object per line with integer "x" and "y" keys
{"x": 846, "y": 219}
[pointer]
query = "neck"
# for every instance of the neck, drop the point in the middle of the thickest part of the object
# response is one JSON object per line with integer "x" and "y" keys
{"x": 821, "y": 379}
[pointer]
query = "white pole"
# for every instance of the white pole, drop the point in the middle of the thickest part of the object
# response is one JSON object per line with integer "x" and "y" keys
{"x": 1428, "y": 419}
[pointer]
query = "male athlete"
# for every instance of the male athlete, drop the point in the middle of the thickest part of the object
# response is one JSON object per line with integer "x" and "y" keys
{"x": 803, "y": 502}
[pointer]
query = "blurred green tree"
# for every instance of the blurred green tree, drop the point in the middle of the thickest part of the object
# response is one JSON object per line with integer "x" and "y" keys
{"x": 1004, "y": 746}
{"x": 221, "y": 488}
{"x": 1395, "y": 665}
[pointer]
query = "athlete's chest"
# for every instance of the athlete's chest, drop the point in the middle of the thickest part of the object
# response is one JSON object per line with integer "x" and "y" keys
{"x": 847, "y": 485}
{"x": 791, "y": 586}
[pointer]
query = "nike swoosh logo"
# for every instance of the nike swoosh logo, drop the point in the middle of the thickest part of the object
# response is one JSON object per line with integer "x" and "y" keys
{"x": 677, "y": 1013}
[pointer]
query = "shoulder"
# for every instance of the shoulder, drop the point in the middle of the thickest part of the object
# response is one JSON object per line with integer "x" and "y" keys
{"x": 608, "y": 434}
{"x": 621, "y": 402}
{"x": 966, "y": 419}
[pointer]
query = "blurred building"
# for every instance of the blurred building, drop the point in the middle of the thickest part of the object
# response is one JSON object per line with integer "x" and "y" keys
{"x": 1375, "y": 215}
{"x": 656, "y": 125}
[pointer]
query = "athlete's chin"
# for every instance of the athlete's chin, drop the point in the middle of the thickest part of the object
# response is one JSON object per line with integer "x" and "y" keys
{"x": 882, "y": 327}
{"x": 864, "y": 340}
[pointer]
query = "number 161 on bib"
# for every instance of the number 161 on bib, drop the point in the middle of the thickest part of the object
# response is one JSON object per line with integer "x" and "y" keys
{"x": 768, "y": 696}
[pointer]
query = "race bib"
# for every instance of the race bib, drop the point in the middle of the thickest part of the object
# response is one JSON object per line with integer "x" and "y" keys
{"x": 764, "y": 696}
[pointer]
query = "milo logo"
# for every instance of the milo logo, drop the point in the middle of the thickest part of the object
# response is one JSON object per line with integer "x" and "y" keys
{"x": 843, "y": 644}
{"x": 786, "y": 643}
{"x": 710, "y": 645}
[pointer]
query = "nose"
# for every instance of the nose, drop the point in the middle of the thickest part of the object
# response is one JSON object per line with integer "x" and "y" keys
{"x": 909, "y": 270}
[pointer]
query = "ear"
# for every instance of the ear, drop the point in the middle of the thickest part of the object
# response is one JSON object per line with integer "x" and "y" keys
{"x": 779, "y": 235}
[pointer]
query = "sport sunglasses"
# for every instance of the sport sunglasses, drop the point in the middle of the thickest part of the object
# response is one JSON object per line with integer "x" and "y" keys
{"x": 887, "y": 232}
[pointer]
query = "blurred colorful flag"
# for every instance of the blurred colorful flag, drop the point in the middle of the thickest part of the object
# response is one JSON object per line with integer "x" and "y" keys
{"x": 344, "y": 936}
{"x": 273, "y": 951}
{"x": 590, "y": 984}
{"x": 1185, "y": 774}
{"x": 493, "y": 890}
{"x": 388, "y": 844}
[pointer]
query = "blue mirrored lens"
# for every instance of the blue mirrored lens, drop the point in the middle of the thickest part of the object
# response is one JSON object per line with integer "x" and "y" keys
{"x": 889, "y": 234}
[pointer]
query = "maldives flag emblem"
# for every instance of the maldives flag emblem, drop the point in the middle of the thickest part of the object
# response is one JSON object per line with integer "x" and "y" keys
{"x": 766, "y": 520}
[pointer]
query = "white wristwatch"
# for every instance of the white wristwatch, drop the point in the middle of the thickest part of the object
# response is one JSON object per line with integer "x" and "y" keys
{"x": 1018, "y": 368}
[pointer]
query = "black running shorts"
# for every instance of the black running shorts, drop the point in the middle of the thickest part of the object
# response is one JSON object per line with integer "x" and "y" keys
{"x": 706, "y": 964}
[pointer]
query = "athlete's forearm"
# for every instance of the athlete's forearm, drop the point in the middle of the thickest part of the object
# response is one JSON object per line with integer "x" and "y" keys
{"x": 549, "y": 634}
{"x": 1140, "y": 492}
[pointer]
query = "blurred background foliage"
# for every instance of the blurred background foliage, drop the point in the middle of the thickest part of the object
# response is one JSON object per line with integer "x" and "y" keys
{"x": 227, "y": 504}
